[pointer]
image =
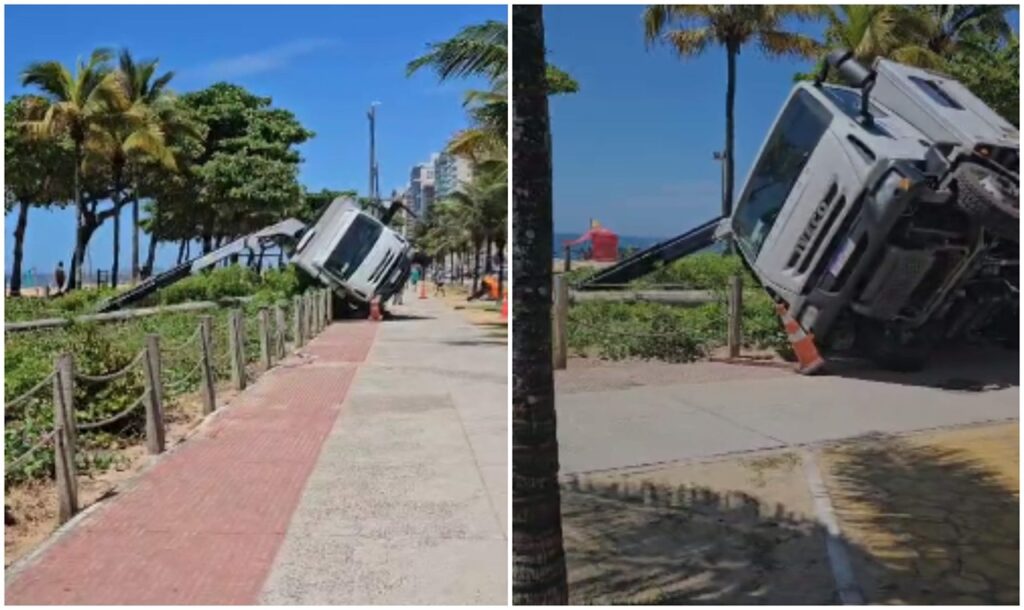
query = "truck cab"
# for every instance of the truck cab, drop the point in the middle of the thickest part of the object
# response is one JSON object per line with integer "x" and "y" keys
{"x": 871, "y": 229}
{"x": 354, "y": 253}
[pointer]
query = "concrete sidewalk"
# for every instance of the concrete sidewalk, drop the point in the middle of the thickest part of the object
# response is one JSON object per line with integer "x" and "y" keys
{"x": 407, "y": 504}
{"x": 734, "y": 408}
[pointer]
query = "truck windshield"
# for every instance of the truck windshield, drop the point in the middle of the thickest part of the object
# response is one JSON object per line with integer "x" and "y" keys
{"x": 796, "y": 135}
{"x": 357, "y": 242}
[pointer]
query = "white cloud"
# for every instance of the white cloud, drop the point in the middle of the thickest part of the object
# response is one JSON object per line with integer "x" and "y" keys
{"x": 266, "y": 60}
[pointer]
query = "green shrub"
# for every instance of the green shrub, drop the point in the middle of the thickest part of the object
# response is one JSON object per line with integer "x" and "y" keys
{"x": 99, "y": 349}
{"x": 232, "y": 281}
{"x": 704, "y": 271}
{"x": 78, "y": 302}
{"x": 656, "y": 331}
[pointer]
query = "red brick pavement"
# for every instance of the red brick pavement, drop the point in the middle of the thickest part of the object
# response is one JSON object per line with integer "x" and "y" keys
{"x": 204, "y": 524}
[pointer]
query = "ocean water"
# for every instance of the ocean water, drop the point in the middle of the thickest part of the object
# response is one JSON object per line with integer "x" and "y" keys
{"x": 39, "y": 279}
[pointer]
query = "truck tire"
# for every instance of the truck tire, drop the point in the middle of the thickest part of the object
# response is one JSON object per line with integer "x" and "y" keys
{"x": 990, "y": 198}
{"x": 892, "y": 349}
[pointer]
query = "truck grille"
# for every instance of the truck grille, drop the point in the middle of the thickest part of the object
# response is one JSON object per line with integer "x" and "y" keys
{"x": 379, "y": 271}
{"x": 817, "y": 228}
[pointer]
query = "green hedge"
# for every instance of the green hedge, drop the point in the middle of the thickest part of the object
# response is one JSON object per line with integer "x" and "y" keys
{"x": 675, "y": 334}
{"x": 100, "y": 348}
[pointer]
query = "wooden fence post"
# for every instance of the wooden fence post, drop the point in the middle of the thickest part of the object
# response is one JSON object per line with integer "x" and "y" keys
{"x": 318, "y": 298}
{"x": 279, "y": 331}
{"x": 297, "y": 320}
{"x": 560, "y": 327}
{"x": 330, "y": 305}
{"x": 240, "y": 352}
{"x": 307, "y": 318}
{"x": 735, "y": 315}
{"x": 568, "y": 259}
{"x": 322, "y": 309}
{"x": 64, "y": 439}
{"x": 265, "y": 339}
{"x": 206, "y": 364}
{"x": 235, "y": 345}
{"x": 314, "y": 324}
{"x": 153, "y": 396}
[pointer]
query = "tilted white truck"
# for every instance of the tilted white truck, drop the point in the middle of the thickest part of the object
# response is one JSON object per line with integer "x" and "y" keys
{"x": 883, "y": 216}
{"x": 348, "y": 250}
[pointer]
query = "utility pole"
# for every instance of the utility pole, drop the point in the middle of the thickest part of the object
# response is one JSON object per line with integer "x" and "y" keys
{"x": 374, "y": 180}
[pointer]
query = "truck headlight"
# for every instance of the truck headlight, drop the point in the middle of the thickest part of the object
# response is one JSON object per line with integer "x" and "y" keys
{"x": 892, "y": 186}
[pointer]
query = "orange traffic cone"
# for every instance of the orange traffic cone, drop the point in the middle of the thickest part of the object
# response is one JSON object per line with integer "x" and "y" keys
{"x": 809, "y": 361}
{"x": 504, "y": 307}
{"x": 375, "y": 315}
{"x": 423, "y": 290}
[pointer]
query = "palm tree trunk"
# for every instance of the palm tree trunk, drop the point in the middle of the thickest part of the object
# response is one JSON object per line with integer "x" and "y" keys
{"x": 476, "y": 264}
{"x": 115, "y": 262}
{"x": 19, "y": 244}
{"x": 151, "y": 253}
{"x": 538, "y": 558}
{"x": 499, "y": 252}
{"x": 730, "y": 104}
{"x": 135, "y": 233}
{"x": 74, "y": 279}
{"x": 181, "y": 250}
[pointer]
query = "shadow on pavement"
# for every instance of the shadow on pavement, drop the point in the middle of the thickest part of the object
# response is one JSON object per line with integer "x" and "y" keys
{"x": 921, "y": 524}
{"x": 655, "y": 544}
{"x": 473, "y": 342}
{"x": 942, "y": 526}
{"x": 956, "y": 368}
{"x": 404, "y": 317}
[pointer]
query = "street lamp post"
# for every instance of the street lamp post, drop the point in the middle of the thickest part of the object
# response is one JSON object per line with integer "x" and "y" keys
{"x": 374, "y": 180}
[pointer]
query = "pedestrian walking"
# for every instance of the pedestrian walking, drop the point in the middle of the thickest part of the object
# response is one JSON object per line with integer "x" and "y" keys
{"x": 59, "y": 276}
{"x": 439, "y": 281}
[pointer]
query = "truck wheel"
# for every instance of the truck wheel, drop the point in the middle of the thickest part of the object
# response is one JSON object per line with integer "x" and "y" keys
{"x": 893, "y": 349}
{"x": 990, "y": 198}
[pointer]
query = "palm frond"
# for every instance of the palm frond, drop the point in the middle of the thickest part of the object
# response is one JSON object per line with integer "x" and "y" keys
{"x": 51, "y": 78}
{"x": 690, "y": 43}
{"x": 476, "y": 50}
{"x": 778, "y": 44}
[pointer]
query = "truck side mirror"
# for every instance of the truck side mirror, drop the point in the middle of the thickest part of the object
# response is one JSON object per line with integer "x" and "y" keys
{"x": 724, "y": 229}
{"x": 853, "y": 74}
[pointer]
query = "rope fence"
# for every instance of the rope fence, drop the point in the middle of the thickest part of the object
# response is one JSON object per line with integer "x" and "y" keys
{"x": 249, "y": 345}
{"x": 10, "y": 404}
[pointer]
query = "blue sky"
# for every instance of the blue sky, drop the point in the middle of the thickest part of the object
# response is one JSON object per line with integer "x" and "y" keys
{"x": 324, "y": 63}
{"x": 634, "y": 147}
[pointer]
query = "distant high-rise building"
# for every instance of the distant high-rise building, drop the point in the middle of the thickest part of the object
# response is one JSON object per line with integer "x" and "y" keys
{"x": 421, "y": 188}
{"x": 450, "y": 172}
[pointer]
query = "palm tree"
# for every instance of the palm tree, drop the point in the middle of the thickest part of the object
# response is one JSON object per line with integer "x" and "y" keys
{"x": 75, "y": 100}
{"x": 127, "y": 132}
{"x": 538, "y": 557}
{"x": 481, "y": 50}
{"x": 131, "y": 128}
{"x": 35, "y": 172}
{"x": 140, "y": 86}
{"x": 947, "y": 23}
{"x": 870, "y": 31}
{"x": 690, "y": 29}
